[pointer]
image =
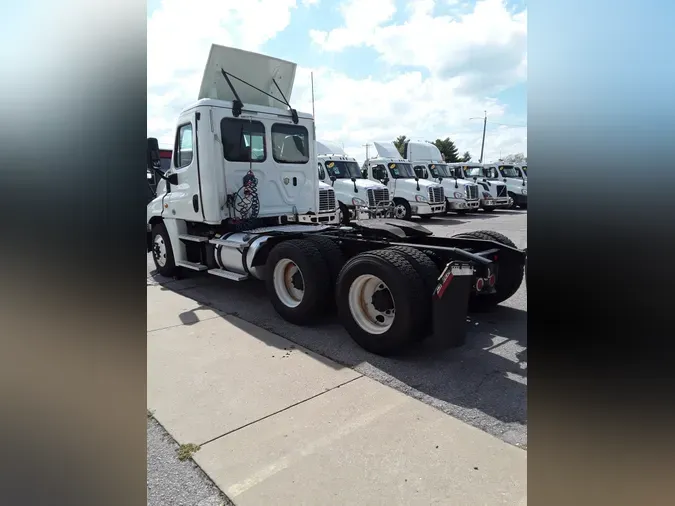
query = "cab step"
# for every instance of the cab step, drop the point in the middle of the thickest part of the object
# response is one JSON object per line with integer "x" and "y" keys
{"x": 191, "y": 265}
{"x": 234, "y": 276}
{"x": 193, "y": 238}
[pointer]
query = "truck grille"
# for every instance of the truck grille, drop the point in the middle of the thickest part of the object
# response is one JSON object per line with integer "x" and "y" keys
{"x": 326, "y": 200}
{"x": 377, "y": 196}
{"x": 471, "y": 192}
{"x": 501, "y": 190}
{"x": 436, "y": 194}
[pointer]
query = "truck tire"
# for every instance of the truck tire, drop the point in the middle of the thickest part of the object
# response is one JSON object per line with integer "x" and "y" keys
{"x": 427, "y": 270}
{"x": 296, "y": 280}
{"x": 344, "y": 214}
{"x": 402, "y": 301}
{"x": 162, "y": 252}
{"x": 402, "y": 210}
{"x": 509, "y": 277}
{"x": 332, "y": 255}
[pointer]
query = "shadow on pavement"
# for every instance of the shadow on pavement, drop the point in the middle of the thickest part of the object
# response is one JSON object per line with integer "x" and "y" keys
{"x": 487, "y": 376}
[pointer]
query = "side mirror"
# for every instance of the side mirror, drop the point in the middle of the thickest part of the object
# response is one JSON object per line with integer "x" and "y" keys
{"x": 172, "y": 178}
{"x": 505, "y": 180}
{"x": 153, "y": 158}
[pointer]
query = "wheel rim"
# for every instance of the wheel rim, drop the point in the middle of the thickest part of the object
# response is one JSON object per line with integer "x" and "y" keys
{"x": 289, "y": 284}
{"x": 371, "y": 304}
{"x": 159, "y": 250}
{"x": 400, "y": 211}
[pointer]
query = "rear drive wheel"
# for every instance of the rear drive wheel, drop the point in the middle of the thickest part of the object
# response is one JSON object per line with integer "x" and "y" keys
{"x": 380, "y": 300}
{"x": 402, "y": 209}
{"x": 509, "y": 274}
{"x": 296, "y": 281}
{"x": 333, "y": 257}
{"x": 162, "y": 253}
{"x": 429, "y": 273}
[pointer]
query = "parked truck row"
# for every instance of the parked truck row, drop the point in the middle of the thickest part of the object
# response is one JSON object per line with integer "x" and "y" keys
{"x": 242, "y": 199}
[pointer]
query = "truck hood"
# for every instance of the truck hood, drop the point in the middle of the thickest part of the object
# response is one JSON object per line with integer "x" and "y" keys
{"x": 411, "y": 185}
{"x": 361, "y": 184}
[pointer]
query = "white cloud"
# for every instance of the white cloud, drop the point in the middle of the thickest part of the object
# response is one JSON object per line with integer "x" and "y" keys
{"x": 463, "y": 62}
{"x": 356, "y": 111}
{"x": 179, "y": 37}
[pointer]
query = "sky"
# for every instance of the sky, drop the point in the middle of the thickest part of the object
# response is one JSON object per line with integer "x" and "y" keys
{"x": 382, "y": 68}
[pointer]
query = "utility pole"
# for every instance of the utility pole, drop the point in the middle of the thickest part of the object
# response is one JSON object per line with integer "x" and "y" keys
{"x": 366, "y": 146}
{"x": 482, "y": 146}
{"x": 312, "y": 77}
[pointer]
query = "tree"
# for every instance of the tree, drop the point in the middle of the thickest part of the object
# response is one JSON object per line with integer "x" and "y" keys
{"x": 448, "y": 149}
{"x": 466, "y": 157}
{"x": 515, "y": 158}
{"x": 400, "y": 144}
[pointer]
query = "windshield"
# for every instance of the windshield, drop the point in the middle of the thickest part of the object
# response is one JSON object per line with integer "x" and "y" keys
{"x": 343, "y": 170}
{"x": 400, "y": 170}
{"x": 440, "y": 170}
{"x": 510, "y": 171}
{"x": 473, "y": 171}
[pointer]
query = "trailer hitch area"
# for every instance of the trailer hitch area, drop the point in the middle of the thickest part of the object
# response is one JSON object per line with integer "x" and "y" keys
{"x": 450, "y": 306}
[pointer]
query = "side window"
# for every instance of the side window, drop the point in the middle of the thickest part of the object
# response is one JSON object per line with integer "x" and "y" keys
{"x": 242, "y": 138}
{"x": 420, "y": 171}
{"x": 379, "y": 172}
{"x": 290, "y": 143}
{"x": 184, "y": 146}
{"x": 322, "y": 172}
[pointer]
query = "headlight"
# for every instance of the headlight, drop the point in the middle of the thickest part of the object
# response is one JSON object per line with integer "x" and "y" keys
{"x": 358, "y": 202}
{"x": 458, "y": 195}
{"x": 421, "y": 198}
{"x": 524, "y": 191}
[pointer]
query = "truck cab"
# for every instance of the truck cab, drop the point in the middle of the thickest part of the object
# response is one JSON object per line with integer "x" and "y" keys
{"x": 514, "y": 179}
{"x": 493, "y": 193}
{"x": 358, "y": 198}
{"x": 411, "y": 195}
{"x": 461, "y": 196}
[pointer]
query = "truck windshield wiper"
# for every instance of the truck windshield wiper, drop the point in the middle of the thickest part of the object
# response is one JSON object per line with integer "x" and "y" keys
{"x": 237, "y": 105}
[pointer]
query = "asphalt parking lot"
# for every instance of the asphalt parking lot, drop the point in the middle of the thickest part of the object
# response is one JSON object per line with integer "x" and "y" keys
{"x": 484, "y": 383}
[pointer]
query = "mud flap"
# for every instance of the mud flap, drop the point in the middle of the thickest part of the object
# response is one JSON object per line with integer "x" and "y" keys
{"x": 450, "y": 306}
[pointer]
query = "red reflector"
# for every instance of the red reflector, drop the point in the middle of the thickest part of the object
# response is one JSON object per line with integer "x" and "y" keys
{"x": 444, "y": 286}
{"x": 479, "y": 284}
{"x": 496, "y": 257}
{"x": 491, "y": 280}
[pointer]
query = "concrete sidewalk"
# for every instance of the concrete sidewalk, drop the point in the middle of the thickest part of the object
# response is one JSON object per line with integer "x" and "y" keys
{"x": 280, "y": 425}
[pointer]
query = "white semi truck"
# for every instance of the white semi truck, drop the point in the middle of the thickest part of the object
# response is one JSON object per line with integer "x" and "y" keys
{"x": 411, "y": 195}
{"x": 221, "y": 210}
{"x": 358, "y": 197}
{"x": 514, "y": 179}
{"x": 461, "y": 196}
{"x": 493, "y": 193}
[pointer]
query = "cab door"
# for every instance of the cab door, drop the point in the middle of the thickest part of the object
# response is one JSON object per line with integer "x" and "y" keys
{"x": 183, "y": 200}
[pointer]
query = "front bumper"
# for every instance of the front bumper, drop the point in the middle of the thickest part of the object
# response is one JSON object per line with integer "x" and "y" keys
{"x": 426, "y": 209}
{"x": 462, "y": 205}
{"x": 382, "y": 210}
{"x": 496, "y": 202}
{"x": 325, "y": 218}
